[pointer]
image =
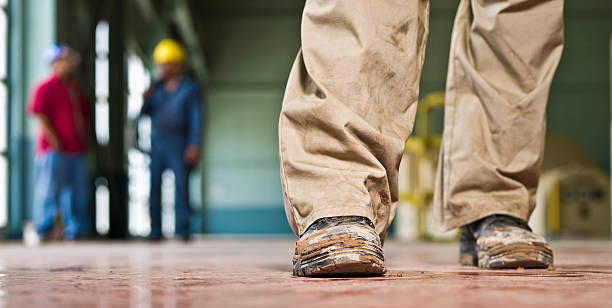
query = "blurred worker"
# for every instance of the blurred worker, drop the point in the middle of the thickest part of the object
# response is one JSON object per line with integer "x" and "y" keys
{"x": 62, "y": 182}
{"x": 350, "y": 105}
{"x": 173, "y": 103}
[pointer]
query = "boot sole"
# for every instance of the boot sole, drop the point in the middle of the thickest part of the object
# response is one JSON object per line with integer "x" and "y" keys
{"x": 525, "y": 255}
{"x": 341, "y": 262}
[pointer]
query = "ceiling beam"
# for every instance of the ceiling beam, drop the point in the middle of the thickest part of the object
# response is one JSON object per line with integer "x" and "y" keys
{"x": 156, "y": 26}
{"x": 186, "y": 27}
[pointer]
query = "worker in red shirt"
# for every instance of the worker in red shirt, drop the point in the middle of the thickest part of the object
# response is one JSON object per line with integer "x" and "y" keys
{"x": 62, "y": 182}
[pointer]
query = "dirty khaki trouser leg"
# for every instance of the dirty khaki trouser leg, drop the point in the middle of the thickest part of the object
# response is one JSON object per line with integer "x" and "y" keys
{"x": 349, "y": 107}
{"x": 502, "y": 60}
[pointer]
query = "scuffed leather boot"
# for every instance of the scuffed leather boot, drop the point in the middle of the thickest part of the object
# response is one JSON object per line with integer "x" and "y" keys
{"x": 501, "y": 241}
{"x": 339, "y": 246}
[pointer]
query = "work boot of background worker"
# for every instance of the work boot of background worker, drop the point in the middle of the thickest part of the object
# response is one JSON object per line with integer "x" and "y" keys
{"x": 350, "y": 105}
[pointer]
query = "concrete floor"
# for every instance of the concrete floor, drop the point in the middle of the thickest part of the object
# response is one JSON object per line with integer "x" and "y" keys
{"x": 215, "y": 272}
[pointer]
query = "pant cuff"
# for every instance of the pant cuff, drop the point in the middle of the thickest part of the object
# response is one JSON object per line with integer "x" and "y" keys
{"x": 457, "y": 222}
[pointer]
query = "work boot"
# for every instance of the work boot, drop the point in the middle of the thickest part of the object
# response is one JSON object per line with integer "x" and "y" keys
{"x": 339, "y": 246}
{"x": 501, "y": 241}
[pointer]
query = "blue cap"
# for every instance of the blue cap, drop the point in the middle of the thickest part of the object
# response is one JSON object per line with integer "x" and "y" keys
{"x": 54, "y": 52}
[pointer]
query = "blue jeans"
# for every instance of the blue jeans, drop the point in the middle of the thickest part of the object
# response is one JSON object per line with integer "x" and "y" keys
{"x": 62, "y": 185}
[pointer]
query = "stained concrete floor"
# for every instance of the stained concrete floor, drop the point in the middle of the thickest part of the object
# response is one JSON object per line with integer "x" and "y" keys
{"x": 215, "y": 272}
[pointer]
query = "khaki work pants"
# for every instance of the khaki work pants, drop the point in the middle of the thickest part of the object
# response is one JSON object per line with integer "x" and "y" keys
{"x": 351, "y": 100}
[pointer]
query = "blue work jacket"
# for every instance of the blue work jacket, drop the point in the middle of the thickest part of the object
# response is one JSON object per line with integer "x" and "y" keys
{"x": 176, "y": 115}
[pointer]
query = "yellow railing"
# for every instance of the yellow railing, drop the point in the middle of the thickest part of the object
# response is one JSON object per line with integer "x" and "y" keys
{"x": 421, "y": 151}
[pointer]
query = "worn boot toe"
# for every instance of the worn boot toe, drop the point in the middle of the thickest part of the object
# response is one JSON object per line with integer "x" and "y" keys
{"x": 501, "y": 241}
{"x": 339, "y": 246}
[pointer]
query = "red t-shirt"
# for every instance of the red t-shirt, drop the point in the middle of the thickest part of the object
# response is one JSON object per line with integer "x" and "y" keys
{"x": 68, "y": 112}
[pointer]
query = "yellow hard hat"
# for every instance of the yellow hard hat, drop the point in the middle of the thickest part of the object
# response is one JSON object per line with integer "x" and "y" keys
{"x": 169, "y": 51}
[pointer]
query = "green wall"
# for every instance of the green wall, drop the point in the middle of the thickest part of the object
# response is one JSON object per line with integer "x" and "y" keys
{"x": 579, "y": 104}
{"x": 250, "y": 48}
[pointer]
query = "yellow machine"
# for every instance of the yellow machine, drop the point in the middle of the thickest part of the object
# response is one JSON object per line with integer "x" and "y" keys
{"x": 573, "y": 196}
{"x": 575, "y": 201}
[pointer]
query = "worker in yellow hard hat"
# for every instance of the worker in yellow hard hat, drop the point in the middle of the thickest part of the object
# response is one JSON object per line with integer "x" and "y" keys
{"x": 174, "y": 105}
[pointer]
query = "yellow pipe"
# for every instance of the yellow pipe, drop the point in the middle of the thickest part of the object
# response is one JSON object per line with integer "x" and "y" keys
{"x": 553, "y": 209}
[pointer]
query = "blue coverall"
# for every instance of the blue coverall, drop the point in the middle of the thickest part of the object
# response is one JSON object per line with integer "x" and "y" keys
{"x": 176, "y": 120}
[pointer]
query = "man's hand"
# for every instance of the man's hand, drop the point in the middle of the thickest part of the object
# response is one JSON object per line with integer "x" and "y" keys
{"x": 148, "y": 92}
{"x": 50, "y": 135}
{"x": 54, "y": 141}
{"x": 192, "y": 155}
